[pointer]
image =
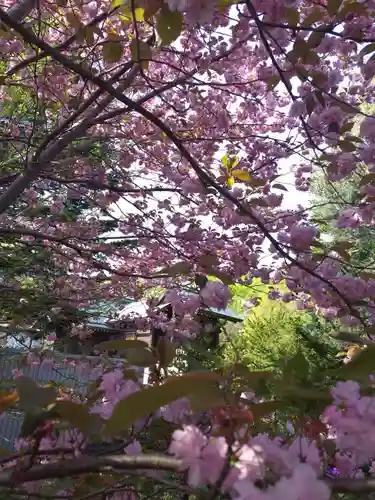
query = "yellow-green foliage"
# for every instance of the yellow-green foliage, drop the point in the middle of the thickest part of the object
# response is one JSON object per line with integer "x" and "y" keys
{"x": 270, "y": 334}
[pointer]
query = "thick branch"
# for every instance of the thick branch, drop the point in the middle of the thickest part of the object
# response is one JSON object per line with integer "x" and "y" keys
{"x": 86, "y": 465}
{"x": 21, "y": 9}
{"x": 115, "y": 463}
{"x": 349, "y": 485}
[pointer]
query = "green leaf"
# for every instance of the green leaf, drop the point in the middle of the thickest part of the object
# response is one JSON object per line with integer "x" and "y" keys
{"x": 367, "y": 179}
{"x": 346, "y": 127}
{"x": 180, "y": 268}
{"x": 333, "y": 6}
{"x": 137, "y": 352}
{"x": 316, "y": 15}
{"x": 300, "y": 47}
{"x": 310, "y": 104}
{"x": 248, "y": 379}
{"x": 73, "y": 20}
{"x": 151, "y": 11}
{"x": 279, "y": 186}
{"x": 166, "y": 351}
{"x": 33, "y": 397}
{"x": 231, "y": 180}
{"x": 121, "y": 345}
{"x": 129, "y": 15}
{"x": 360, "y": 367}
{"x": 139, "y": 14}
{"x": 223, "y": 4}
{"x": 273, "y": 82}
{"x": 242, "y": 175}
{"x": 88, "y": 34}
{"x": 112, "y": 51}
{"x": 140, "y": 51}
{"x": 291, "y": 15}
{"x": 347, "y": 146}
{"x": 226, "y": 278}
{"x": 348, "y": 337}
{"x": 33, "y": 420}
{"x": 315, "y": 39}
{"x": 261, "y": 410}
{"x": 78, "y": 416}
{"x": 370, "y": 47}
{"x": 311, "y": 58}
{"x": 209, "y": 259}
{"x": 209, "y": 399}
{"x": 349, "y": 109}
{"x": 352, "y": 8}
{"x": 307, "y": 394}
{"x": 169, "y": 25}
{"x": 225, "y": 161}
{"x": 148, "y": 400}
{"x": 318, "y": 94}
{"x": 296, "y": 367}
{"x": 140, "y": 357}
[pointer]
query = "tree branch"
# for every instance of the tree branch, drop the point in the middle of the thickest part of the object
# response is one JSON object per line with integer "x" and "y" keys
{"x": 87, "y": 465}
{"x": 13, "y": 192}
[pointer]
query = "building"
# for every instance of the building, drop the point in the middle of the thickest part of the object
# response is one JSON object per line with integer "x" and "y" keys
{"x": 107, "y": 321}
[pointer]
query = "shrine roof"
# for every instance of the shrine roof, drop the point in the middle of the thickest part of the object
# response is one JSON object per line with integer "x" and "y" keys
{"x": 107, "y": 313}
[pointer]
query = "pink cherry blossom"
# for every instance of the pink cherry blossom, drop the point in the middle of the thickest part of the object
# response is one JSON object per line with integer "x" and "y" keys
{"x": 215, "y": 294}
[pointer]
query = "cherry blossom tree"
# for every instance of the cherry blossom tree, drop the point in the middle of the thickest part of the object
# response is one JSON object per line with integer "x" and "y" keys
{"x": 174, "y": 122}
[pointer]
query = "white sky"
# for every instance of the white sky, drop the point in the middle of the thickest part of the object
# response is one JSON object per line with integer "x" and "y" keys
{"x": 291, "y": 199}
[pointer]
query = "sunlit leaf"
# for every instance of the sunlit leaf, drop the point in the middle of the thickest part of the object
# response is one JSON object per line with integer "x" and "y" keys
{"x": 7, "y": 401}
{"x": 225, "y": 161}
{"x": 241, "y": 175}
{"x": 231, "y": 180}
{"x": 168, "y": 25}
{"x": 226, "y": 278}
